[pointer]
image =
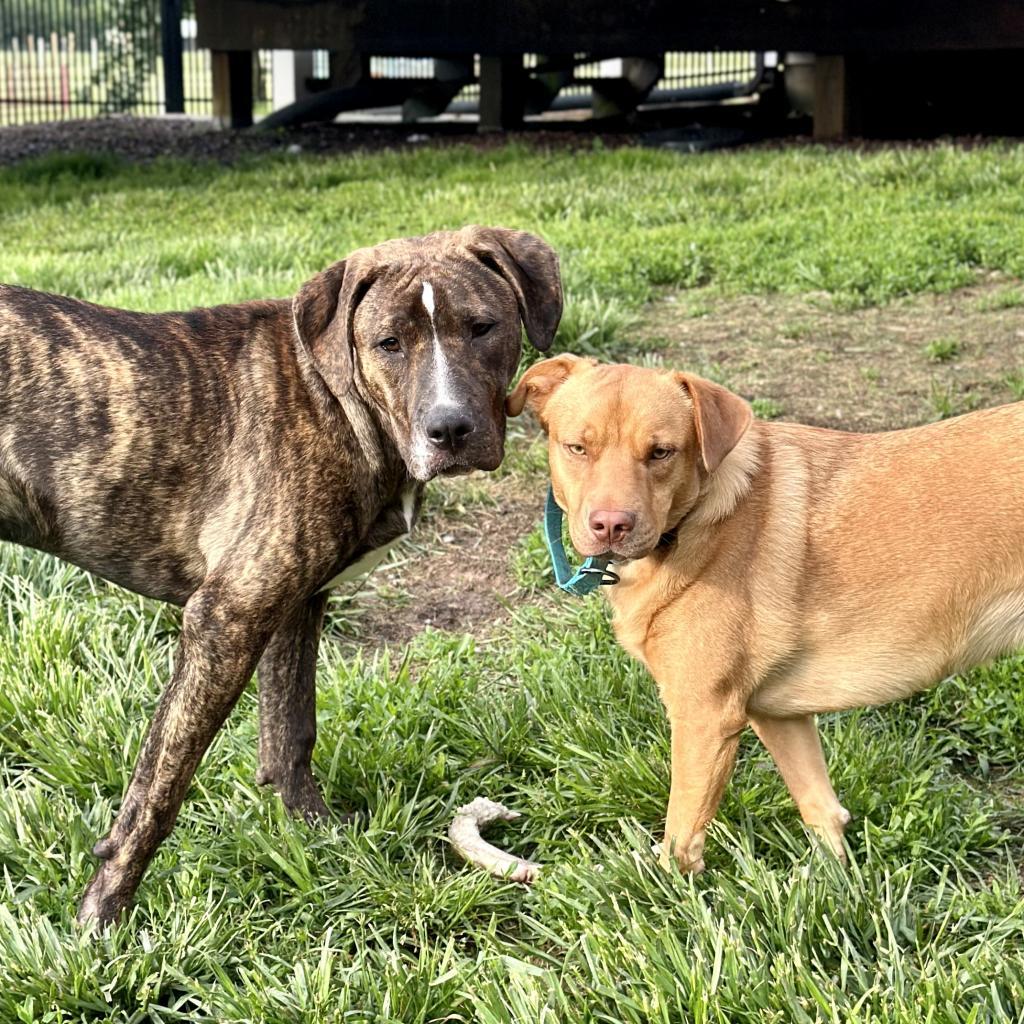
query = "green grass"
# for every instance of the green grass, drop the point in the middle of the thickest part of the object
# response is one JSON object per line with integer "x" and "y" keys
{"x": 1004, "y": 298}
{"x": 942, "y": 350}
{"x": 246, "y": 915}
{"x": 947, "y": 400}
{"x": 767, "y": 408}
{"x": 865, "y": 228}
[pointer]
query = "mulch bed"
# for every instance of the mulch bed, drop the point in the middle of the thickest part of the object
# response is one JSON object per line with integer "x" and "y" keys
{"x": 144, "y": 139}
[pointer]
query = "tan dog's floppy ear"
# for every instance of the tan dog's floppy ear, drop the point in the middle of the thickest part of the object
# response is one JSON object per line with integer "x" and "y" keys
{"x": 719, "y": 417}
{"x": 541, "y": 381}
{"x": 530, "y": 266}
{"x": 323, "y": 311}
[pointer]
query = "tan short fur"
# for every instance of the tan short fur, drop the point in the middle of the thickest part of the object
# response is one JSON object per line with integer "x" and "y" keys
{"x": 775, "y": 571}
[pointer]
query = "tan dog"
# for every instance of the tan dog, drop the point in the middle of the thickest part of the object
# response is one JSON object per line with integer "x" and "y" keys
{"x": 772, "y": 571}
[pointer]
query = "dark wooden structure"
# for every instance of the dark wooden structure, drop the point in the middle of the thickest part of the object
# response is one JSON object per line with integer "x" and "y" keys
{"x": 865, "y": 50}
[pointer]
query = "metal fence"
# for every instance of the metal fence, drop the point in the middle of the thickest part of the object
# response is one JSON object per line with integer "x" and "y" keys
{"x": 696, "y": 70}
{"x": 683, "y": 71}
{"x": 79, "y": 58}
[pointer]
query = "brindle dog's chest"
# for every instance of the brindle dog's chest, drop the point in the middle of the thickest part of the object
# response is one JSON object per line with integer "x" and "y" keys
{"x": 393, "y": 523}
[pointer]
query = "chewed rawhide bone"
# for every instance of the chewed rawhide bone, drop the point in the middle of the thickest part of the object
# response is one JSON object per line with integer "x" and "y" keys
{"x": 464, "y": 833}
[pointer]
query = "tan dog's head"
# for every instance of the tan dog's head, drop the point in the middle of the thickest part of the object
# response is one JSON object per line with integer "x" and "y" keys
{"x": 628, "y": 447}
{"x": 428, "y": 332}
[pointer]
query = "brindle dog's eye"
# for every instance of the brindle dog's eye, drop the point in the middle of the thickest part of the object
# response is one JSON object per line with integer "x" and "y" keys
{"x": 390, "y": 345}
{"x": 658, "y": 454}
{"x": 481, "y": 328}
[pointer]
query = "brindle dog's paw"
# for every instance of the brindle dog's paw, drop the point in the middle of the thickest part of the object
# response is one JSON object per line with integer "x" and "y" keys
{"x": 300, "y": 795}
{"x": 105, "y": 900}
{"x": 310, "y": 807}
{"x": 315, "y": 812}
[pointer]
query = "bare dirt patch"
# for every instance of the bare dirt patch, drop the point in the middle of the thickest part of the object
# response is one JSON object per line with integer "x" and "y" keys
{"x": 870, "y": 369}
{"x": 455, "y": 572}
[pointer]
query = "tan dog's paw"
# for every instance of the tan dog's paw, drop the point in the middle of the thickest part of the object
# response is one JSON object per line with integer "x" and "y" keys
{"x": 829, "y": 829}
{"x": 686, "y": 865}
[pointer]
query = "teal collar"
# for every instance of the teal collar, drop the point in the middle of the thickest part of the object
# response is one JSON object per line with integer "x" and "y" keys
{"x": 593, "y": 573}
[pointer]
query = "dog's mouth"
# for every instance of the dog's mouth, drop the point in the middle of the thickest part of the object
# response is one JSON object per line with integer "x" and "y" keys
{"x": 425, "y": 465}
{"x": 621, "y": 557}
{"x": 618, "y": 553}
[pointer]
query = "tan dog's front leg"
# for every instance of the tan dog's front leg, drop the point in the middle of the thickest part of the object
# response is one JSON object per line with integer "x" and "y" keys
{"x": 796, "y": 749}
{"x": 704, "y": 743}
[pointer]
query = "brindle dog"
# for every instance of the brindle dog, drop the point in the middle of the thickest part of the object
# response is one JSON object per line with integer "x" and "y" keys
{"x": 237, "y": 460}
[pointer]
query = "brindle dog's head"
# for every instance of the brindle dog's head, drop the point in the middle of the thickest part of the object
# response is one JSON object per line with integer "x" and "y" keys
{"x": 427, "y": 331}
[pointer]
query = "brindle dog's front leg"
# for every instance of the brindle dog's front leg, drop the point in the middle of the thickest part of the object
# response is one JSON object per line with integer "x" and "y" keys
{"x": 223, "y": 633}
{"x": 287, "y": 683}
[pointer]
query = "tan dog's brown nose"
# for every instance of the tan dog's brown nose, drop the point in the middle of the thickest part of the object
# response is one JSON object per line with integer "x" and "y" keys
{"x": 611, "y": 526}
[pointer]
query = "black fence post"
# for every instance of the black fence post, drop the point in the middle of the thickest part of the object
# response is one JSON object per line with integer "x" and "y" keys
{"x": 174, "y": 72}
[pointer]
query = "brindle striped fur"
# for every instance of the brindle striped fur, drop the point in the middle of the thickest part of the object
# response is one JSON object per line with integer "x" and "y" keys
{"x": 234, "y": 460}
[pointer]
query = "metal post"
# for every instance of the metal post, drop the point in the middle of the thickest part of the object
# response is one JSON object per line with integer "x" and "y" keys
{"x": 232, "y": 87}
{"x": 501, "y": 93}
{"x": 174, "y": 71}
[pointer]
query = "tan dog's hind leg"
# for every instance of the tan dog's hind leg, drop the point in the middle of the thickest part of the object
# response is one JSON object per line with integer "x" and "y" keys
{"x": 703, "y": 755}
{"x": 796, "y": 749}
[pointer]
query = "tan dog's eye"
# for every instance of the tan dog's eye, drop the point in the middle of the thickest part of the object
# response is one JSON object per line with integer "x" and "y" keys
{"x": 659, "y": 454}
{"x": 389, "y": 345}
{"x": 576, "y": 449}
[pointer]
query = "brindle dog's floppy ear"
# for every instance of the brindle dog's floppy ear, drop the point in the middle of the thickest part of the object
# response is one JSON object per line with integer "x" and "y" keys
{"x": 530, "y": 266}
{"x": 541, "y": 381}
{"x": 323, "y": 311}
{"x": 720, "y": 418}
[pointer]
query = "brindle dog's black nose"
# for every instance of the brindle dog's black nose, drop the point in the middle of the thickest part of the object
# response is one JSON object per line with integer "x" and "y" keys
{"x": 448, "y": 429}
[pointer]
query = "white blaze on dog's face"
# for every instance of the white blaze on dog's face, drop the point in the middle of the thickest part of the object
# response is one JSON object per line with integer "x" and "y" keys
{"x": 629, "y": 448}
{"x": 428, "y": 331}
{"x": 437, "y": 350}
